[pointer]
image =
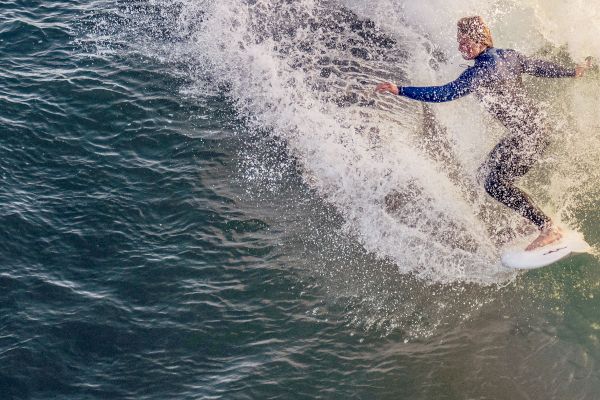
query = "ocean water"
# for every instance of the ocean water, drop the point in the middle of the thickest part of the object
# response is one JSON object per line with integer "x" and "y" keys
{"x": 194, "y": 205}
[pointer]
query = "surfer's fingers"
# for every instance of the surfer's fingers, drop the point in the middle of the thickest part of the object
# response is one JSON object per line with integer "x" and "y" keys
{"x": 385, "y": 87}
{"x": 581, "y": 69}
{"x": 381, "y": 87}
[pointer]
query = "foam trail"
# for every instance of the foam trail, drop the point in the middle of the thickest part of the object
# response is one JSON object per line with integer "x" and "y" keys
{"x": 305, "y": 70}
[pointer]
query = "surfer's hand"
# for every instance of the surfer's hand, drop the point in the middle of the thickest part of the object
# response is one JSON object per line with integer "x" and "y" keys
{"x": 387, "y": 87}
{"x": 581, "y": 68}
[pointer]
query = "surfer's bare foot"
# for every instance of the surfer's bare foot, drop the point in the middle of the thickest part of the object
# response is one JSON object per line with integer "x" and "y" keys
{"x": 548, "y": 235}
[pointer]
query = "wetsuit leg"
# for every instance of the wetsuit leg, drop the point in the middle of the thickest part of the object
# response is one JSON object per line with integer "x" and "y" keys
{"x": 507, "y": 162}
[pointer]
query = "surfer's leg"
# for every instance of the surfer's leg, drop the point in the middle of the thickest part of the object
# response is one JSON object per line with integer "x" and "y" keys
{"x": 505, "y": 164}
{"x": 507, "y": 193}
{"x": 512, "y": 158}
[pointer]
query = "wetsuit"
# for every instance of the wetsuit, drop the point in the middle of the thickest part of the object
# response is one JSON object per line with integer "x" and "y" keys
{"x": 495, "y": 79}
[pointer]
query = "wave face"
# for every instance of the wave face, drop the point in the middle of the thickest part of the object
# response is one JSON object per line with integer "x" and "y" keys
{"x": 401, "y": 174}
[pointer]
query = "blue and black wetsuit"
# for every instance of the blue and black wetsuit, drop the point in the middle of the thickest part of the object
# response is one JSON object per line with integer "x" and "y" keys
{"x": 496, "y": 80}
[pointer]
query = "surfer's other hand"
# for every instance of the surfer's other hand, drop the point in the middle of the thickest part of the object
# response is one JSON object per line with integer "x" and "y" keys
{"x": 583, "y": 67}
{"x": 387, "y": 87}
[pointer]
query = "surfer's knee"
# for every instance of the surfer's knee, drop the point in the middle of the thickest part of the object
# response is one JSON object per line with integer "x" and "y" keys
{"x": 492, "y": 185}
{"x": 498, "y": 188}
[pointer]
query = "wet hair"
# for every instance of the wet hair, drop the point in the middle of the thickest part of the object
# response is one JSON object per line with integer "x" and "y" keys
{"x": 475, "y": 29}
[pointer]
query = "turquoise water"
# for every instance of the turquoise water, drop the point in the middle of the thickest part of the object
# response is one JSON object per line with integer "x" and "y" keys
{"x": 156, "y": 245}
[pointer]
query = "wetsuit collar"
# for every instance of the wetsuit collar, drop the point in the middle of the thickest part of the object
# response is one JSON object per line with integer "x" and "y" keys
{"x": 484, "y": 56}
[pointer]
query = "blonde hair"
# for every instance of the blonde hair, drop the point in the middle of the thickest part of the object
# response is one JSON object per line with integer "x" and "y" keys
{"x": 475, "y": 29}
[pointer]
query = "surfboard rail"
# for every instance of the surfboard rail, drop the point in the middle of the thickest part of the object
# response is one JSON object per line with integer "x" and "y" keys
{"x": 572, "y": 242}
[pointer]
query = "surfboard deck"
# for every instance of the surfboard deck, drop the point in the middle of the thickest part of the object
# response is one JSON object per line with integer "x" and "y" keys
{"x": 571, "y": 242}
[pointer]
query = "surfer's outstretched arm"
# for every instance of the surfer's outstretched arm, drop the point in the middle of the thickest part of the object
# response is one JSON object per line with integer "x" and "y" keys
{"x": 547, "y": 69}
{"x": 462, "y": 86}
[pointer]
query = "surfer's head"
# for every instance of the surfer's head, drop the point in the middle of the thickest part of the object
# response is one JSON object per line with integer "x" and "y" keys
{"x": 473, "y": 37}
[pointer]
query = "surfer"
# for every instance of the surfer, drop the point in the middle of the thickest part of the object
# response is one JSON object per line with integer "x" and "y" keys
{"x": 495, "y": 79}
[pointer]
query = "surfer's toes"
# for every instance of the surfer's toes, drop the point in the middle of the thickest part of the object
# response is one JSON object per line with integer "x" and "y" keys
{"x": 545, "y": 238}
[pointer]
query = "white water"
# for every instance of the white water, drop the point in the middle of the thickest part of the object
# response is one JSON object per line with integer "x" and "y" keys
{"x": 354, "y": 152}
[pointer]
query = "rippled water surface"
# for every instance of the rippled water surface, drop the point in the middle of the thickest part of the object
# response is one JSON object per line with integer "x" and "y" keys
{"x": 156, "y": 245}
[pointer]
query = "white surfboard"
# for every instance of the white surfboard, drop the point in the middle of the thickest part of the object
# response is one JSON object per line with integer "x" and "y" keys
{"x": 571, "y": 242}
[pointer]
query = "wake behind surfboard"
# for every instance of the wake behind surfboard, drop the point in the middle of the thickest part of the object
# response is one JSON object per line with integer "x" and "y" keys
{"x": 571, "y": 242}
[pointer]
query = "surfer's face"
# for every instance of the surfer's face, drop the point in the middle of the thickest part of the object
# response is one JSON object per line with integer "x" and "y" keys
{"x": 469, "y": 48}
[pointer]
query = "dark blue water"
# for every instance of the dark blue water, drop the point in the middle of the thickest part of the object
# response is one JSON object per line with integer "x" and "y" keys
{"x": 154, "y": 247}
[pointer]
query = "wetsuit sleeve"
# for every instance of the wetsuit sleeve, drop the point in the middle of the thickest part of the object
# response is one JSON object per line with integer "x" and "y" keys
{"x": 545, "y": 69}
{"x": 462, "y": 86}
